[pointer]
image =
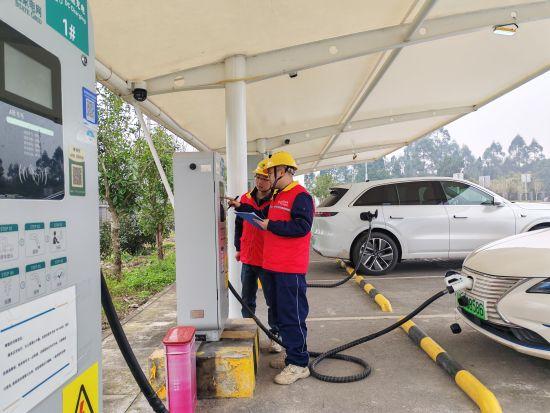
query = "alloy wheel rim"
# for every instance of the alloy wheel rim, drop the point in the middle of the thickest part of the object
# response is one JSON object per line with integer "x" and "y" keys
{"x": 379, "y": 255}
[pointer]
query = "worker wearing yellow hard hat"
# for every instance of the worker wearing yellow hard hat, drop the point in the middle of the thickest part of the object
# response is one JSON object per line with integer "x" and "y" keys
{"x": 249, "y": 244}
{"x": 285, "y": 261}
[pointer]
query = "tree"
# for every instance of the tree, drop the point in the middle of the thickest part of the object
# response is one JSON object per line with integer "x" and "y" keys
{"x": 396, "y": 167}
{"x": 1, "y": 171}
{"x": 518, "y": 154}
{"x": 535, "y": 152}
{"x": 155, "y": 210}
{"x": 377, "y": 170}
{"x": 542, "y": 173}
{"x": 322, "y": 185}
{"x": 493, "y": 160}
{"x": 118, "y": 183}
{"x": 360, "y": 172}
{"x": 309, "y": 179}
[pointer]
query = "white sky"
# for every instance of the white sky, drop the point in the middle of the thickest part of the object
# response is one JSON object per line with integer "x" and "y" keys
{"x": 525, "y": 110}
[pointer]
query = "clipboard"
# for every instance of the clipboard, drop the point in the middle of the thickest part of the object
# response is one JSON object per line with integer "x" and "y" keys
{"x": 250, "y": 217}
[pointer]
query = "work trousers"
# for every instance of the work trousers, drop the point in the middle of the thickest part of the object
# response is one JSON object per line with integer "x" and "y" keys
{"x": 249, "y": 279}
{"x": 289, "y": 302}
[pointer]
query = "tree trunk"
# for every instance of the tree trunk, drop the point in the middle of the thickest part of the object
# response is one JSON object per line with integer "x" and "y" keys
{"x": 160, "y": 245}
{"x": 115, "y": 243}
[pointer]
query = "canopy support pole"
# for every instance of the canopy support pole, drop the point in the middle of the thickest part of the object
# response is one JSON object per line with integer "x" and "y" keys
{"x": 236, "y": 156}
{"x": 153, "y": 150}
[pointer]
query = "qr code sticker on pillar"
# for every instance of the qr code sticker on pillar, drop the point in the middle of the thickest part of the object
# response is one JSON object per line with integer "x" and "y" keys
{"x": 77, "y": 172}
{"x": 89, "y": 106}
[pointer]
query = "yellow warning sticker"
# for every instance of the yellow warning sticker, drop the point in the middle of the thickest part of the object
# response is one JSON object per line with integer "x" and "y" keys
{"x": 81, "y": 395}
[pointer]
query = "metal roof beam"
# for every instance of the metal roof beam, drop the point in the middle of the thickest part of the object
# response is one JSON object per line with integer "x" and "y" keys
{"x": 490, "y": 99}
{"x": 296, "y": 58}
{"x": 278, "y": 142}
{"x": 355, "y": 151}
{"x": 334, "y": 165}
{"x": 412, "y": 29}
{"x": 115, "y": 83}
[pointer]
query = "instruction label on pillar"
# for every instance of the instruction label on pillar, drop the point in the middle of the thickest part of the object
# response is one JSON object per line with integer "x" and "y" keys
{"x": 38, "y": 350}
{"x": 9, "y": 287}
{"x": 82, "y": 394}
{"x": 58, "y": 236}
{"x": 58, "y": 275}
{"x": 70, "y": 19}
{"x": 35, "y": 239}
{"x": 77, "y": 172}
{"x": 9, "y": 242}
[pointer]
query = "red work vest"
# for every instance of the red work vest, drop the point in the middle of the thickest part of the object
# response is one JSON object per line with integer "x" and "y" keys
{"x": 252, "y": 238}
{"x": 285, "y": 254}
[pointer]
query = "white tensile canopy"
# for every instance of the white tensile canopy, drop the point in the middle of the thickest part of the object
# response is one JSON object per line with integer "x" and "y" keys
{"x": 372, "y": 76}
{"x": 334, "y": 82}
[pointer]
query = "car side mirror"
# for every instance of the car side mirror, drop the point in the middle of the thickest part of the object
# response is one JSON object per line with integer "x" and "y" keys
{"x": 497, "y": 203}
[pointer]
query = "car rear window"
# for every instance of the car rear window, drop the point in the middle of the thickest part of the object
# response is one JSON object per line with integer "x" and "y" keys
{"x": 335, "y": 195}
{"x": 379, "y": 195}
{"x": 420, "y": 193}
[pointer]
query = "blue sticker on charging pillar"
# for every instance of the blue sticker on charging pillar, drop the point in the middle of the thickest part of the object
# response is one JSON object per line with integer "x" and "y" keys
{"x": 89, "y": 106}
{"x": 77, "y": 172}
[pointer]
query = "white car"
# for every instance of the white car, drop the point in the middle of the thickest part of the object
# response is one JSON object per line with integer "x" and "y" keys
{"x": 510, "y": 298}
{"x": 417, "y": 218}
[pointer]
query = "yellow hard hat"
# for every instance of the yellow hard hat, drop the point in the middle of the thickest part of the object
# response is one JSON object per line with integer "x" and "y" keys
{"x": 281, "y": 158}
{"x": 261, "y": 169}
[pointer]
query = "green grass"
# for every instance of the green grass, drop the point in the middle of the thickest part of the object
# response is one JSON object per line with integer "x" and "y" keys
{"x": 142, "y": 277}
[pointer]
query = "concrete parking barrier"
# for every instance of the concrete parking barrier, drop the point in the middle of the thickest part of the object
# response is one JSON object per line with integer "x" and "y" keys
{"x": 481, "y": 395}
{"x": 378, "y": 298}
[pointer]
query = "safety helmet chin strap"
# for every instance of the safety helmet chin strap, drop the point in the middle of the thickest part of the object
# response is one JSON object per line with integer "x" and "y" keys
{"x": 277, "y": 179}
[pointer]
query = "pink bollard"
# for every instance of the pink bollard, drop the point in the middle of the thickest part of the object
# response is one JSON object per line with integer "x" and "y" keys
{"x": 181, "y": 379}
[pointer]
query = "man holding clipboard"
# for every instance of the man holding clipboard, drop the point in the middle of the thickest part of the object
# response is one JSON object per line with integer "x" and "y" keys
{"x": 285, "y": 262}
{"x": 249, "y": 243}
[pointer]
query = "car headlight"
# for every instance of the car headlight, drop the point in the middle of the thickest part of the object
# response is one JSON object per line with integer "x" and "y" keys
{"x": 541, "y": 288}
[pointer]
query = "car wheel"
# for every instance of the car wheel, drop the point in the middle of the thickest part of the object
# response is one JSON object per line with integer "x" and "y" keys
{"x": 381, "y": 255}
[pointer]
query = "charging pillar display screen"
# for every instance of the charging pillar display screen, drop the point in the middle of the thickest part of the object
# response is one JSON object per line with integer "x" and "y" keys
{"x": 50, "y": 319}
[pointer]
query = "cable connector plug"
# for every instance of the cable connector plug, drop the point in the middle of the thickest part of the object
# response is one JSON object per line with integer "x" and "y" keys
{"x": 455, "y": 281}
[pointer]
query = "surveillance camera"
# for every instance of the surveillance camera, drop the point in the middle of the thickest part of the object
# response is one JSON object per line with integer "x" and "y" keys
{"x": 287, "y": 141}
{"x": 140, "y": 91}
{"x": 292, "y": 75}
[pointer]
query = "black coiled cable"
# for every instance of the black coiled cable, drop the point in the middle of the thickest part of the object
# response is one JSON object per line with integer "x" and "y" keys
{"x": 334, "y": 353}
{"x": 126, "y": 350}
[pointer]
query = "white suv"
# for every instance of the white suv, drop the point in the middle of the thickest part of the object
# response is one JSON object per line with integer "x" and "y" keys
{"x": 417, "y": 218}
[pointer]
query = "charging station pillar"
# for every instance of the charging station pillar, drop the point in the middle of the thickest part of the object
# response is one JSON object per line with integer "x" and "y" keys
{"x": 236, "y": 145}
{"x": 50, "y": 303}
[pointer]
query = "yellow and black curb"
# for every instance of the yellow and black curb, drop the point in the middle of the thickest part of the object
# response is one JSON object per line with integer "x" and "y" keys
{"x": 378, "y": 298}
{"x": 481, "y": 395}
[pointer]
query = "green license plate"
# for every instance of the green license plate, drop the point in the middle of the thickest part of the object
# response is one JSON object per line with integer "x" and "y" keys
{"x": 475, "y": 306}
